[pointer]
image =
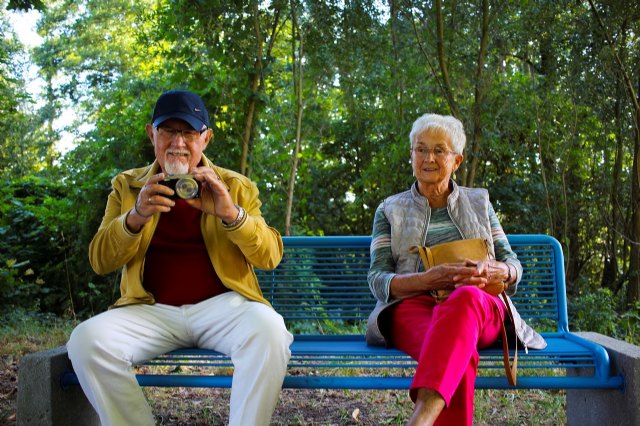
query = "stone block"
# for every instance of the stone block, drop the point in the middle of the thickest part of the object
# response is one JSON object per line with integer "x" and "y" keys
{"x": 41, "y": 399}
{"x": 608, "y": 406}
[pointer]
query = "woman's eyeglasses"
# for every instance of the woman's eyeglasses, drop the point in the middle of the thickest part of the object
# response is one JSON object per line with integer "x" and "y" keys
{"x": 437, "y": 152}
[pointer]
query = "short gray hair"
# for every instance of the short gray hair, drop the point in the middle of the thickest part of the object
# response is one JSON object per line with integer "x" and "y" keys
{"x": 444, "y": 123}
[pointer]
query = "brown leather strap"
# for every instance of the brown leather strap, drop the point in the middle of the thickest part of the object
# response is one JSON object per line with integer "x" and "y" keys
{"x": 510, "y": 369}
{"x": 427, "y": 257}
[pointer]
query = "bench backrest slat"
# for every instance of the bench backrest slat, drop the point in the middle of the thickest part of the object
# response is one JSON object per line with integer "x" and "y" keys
{"x": 323, "y": 280}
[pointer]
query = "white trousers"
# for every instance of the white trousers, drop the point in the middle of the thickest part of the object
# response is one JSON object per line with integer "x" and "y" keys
{"x": 103, "y": 349}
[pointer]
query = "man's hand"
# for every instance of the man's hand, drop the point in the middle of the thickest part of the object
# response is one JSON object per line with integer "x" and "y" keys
{"x": 151, "y": 199}
{"x": 214, "y": 196}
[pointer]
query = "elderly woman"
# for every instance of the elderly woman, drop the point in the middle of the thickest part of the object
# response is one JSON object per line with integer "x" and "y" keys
{"x": 444, "y": 337}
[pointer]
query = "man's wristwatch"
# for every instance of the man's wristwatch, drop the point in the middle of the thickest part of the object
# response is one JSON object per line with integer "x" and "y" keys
{"x": 241, "y": 214}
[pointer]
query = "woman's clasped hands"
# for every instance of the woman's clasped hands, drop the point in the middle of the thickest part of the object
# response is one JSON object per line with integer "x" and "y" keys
{"x": 490, "y": 275}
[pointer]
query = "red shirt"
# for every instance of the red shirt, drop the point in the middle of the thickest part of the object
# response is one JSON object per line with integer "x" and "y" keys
{"x": 177, "y": 268}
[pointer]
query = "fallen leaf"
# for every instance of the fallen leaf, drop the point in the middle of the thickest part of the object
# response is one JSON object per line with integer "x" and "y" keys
{"x": 356, "y": 414}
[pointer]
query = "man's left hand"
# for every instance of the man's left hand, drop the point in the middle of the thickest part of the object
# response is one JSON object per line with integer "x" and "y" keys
{"x": 214, "y": 196}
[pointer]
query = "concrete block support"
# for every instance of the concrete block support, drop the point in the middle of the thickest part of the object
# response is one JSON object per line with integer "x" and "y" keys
{"x": 608, "y": 406}
{"x": 41, "y": 399}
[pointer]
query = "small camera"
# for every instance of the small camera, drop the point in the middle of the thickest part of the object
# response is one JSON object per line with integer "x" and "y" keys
{"x": 185, "y": 186}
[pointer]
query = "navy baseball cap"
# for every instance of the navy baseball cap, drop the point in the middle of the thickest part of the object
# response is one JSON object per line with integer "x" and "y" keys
{"x": 183, "y": 105}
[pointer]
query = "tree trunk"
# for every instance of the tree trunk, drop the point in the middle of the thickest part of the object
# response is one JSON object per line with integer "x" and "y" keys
{"x": 476, "y": 141}
{"x": 610, "y": 269}
{"x": 254, "y": 80}
{"x": 442, "y": 60}
{"x": 256, "y": 84}
{"x": 297, "y": 89}
{"x": 633, "y": 288}
{"x": 394, "y": 10}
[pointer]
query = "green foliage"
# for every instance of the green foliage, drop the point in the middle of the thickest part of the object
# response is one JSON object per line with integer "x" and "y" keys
{"x": 602, "y": 312}
{"x": 26, "y": 5}
{"x": 629, "y": 325}
{"x": 24, "y": 145}
{"x": 326, "y": 327}
{"x": 594, "y": 312}
{"x": 31, "y": 250}
{"x": 547, "y": 115}
{"x": 42, "y": 266}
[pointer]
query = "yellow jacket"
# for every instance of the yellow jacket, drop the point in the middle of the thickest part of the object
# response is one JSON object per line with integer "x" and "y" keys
{"x": 233, "y": 252}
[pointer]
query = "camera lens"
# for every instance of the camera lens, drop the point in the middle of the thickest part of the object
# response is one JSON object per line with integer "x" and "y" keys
{"x": 187, "y": 188}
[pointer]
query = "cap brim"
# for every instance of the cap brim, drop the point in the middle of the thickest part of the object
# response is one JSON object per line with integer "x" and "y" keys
{"x": 194, "y": 122}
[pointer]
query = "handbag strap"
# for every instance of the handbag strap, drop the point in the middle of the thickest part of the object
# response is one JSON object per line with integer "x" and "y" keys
{"x": 427, "y": 257}
{"x": 510, "y": 369}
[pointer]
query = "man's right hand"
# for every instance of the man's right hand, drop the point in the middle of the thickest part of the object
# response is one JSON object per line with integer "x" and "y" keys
{"x": 153, "y": 198}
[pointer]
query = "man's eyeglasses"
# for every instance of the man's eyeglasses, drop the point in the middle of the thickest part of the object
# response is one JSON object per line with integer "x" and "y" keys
{"x": 169, "y": 133}
{"x": 437, "y": 152}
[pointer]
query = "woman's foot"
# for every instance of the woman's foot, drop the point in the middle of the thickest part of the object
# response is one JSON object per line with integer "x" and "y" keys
{"x": 429, "y": 405}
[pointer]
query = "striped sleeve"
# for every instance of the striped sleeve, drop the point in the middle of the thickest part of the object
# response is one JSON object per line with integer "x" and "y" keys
{"x": 382, "y": 269}
{"x": 503, "y": 250}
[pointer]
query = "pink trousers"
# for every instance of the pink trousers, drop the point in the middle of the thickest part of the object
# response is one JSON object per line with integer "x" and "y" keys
{"x": 444, "y": 339}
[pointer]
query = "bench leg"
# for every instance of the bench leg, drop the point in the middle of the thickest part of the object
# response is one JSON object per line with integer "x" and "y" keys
{"x": 608, "y": 406}
{"x": 41, "y": 399}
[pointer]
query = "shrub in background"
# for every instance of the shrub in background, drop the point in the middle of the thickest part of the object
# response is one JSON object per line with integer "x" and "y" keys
{"x": 604, "y": 312}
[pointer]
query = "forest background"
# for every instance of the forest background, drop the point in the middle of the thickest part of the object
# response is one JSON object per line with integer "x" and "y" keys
{"x": 314, "y": 101}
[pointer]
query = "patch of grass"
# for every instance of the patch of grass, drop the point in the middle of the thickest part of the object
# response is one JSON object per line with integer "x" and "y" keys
{"x": 23, "y": 332}
{"x": 519, "y": 407}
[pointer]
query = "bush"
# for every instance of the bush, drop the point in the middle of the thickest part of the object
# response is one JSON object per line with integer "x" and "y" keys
{"x": 603, "y": 312}
{"x": 32, "y": 253}
{"x": 45, "y": 228}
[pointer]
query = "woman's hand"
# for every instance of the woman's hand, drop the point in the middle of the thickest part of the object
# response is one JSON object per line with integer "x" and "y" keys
{"x": 489, "y": 275}
{"x": 447, "y": 276}
{"x": 496, "y": 275}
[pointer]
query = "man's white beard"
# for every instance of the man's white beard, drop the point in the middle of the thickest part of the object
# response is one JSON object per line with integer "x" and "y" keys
{"x": 176, "y": 165}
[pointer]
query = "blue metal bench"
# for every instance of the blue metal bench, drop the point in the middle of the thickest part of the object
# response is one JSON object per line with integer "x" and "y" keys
{"x": 320, "y": 288}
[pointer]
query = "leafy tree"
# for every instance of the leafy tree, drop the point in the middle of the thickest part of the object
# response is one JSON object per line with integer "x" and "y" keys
{"x": 25, "y": 5}
{"x": 315, "y": 99}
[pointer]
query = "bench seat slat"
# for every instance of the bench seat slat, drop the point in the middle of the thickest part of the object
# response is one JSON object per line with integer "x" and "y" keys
{"x": 350, "y": 351}
{"x": 314, "y": 382}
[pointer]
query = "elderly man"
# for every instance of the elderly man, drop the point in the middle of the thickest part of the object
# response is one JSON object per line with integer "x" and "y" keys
{"x": 187, "y": 275}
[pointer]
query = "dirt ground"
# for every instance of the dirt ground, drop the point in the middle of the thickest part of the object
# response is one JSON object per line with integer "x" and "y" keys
{"x": 186, "y": 406}
{"x": 195, "y": 407}
{"x": 296, "y": 407}
{"x": 8, "y": 390}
